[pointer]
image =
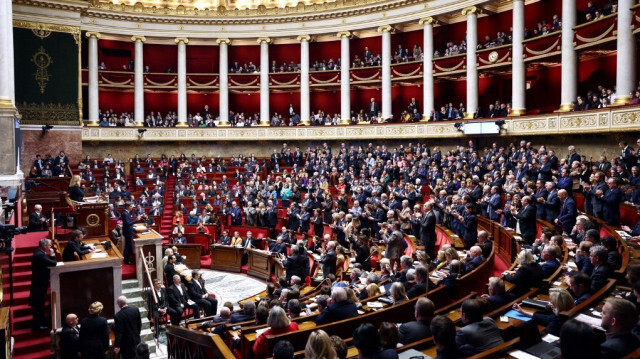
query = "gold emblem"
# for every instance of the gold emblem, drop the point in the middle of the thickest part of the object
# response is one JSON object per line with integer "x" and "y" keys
{"x": 93, "y": 220}
{"x": 42, "y": 60}
{"x": 493, "y": 56}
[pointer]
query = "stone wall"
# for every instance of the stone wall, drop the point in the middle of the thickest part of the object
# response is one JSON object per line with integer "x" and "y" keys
{"x": 59, "y": 138}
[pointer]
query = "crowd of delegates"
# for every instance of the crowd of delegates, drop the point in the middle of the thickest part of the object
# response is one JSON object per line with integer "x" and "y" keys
{"x": 602, "y": 97}
{"x": 50, "y": 166}
{"x": 593, "y": 12}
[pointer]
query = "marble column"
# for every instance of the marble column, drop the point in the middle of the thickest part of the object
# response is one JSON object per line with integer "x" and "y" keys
{"x": 223, "y": 79}
{"x": 518, "y": 69}
{"x": 345, "y": 85}
{"x": 94, "y": 102}
{"x": 182, "y": 81}
{"x": 471, "y": 13}
{"x": 8, "y": 163}
{"x": 386, "y": 71}
{"x": 569, "y": 80}
{"x": 138, "y": 92}
{"x": 305, "y": 99}
{"x": 427, "y": 68}
{"x": 264, "y": 81}
{"x": 626, "y": 59}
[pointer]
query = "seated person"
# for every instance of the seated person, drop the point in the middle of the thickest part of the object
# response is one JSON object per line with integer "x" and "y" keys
{"x": 619, "y": 316}
{"x": 180, "y": 259}
{"x": 367, "y": 340}
{"x": 218, "y": 324}
{"x": 179, "y": 238}
{"x": 74, "y": 247}
{"x": 444, "y": 337}
{"x": 560, "y": 301}
{"x": 550, "y": 260}
{"x": 422, "y": 283}
{"x": 497, "y": 296}
{"x": 278, "y": 323}
{"x": 236, "y": 240}
{"x": 198, "y": 293}
{"x": 397, "y": 293}
{"x": 248, "y": 313}
{"x": 614, "y": 258}
{"x": 161, "y": 307}
{"x": 339, "y": 307}
{"x": 278, "y": 246}
{"x": 582, "y": 260}
{"x": 37, "y": 220}
{"x": 474, "y": 259}
{"x": 456, "y": 270}
{"x": 418, "y": 329}
{"x": 179, "y": 300}
{"x": 170, "y": 267}
{"x": 580, "y": 285}
{"x": 601, "y": 268}
{"x": 225, "y": 239}
{"x": 478, "y": 334}
{"x": 529, "y": 273}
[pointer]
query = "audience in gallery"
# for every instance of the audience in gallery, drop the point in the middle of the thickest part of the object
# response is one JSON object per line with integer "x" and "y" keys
{"x": 593, "y": 12}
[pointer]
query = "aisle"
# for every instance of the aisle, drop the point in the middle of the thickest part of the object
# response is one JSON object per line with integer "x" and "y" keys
{"x": 231, "y": 287}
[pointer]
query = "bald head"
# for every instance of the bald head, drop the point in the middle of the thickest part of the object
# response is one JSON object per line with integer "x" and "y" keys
{"x": 122, "y": 301}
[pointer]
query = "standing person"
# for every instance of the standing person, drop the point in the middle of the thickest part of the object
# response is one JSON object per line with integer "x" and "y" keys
{"x": 393, "y": 239}
{"x": 127, "y": 232}
{"x": 428, "y": 229}
{"x": 43, "y": 258}
{"x": 94, "y": 333}
{"x": 69, "y": 344}
{"x": 127, "y": 328}
{"x": 526, "y": 217}
{"x": 329, "y": 259}
{"x": 37, "y": 220}
{"x": 75, "y": 192}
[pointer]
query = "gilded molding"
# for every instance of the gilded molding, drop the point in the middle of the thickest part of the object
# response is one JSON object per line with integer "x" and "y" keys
{"x": 260, "y": 40}
{"x": 138, "y": 38}
{"x": 93, "y": 34}
{"x": 305, "y": 37}
{"x": 430, "y": 20}
{"x": 387, "y": 28}
{"x": 470, "y": 10}
{"x": 223, "y": 41}
{"x": 183, "y": 40}
{"x": 6, "y": 103}
{"x": 347, "y": 34}
{"x": 608, "y": 120}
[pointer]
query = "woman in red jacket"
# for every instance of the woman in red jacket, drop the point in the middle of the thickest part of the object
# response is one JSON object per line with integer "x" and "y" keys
{"x": 278, "y": 323}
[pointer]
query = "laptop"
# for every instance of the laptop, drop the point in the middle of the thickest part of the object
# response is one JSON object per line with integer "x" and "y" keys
{"x": 532, "y": 343}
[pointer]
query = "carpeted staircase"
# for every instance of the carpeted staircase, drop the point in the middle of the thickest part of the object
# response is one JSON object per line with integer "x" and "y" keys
{"x": 166, "y": 227}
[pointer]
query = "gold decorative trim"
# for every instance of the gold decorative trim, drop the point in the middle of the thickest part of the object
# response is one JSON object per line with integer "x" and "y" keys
{"x": 597, "y": 38}
{"x": 565, "y": 107}
{"x": 42, "y": 60}
{"x": 305, "y": 37}
{"x": 48, "y": 113}
{"x": 470, "y": 10}
{"x": 41, "y": 26}
{"x": 93, "y": 34}
{"x": 6, "y": 103}
{"x": 518, "y": 112}
{"x": 430, "y": 20}
{"x": 223, "y": 41}
{"x": 376, "y": 74}
{"x": 545, "y": 51}
{"x": 183, "y": 40}
{"x": 138, "y": 38}
{"x": 347, "y": 34}
{"x": 267, "y": 40}
{"x": 387, "y": 28}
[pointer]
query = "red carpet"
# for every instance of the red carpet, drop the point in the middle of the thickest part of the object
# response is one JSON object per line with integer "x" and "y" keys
{"x": 499, "y": 266}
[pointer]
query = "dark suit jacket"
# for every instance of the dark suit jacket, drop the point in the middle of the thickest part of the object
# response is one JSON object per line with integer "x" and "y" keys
{"x": 40, "y": 263}
{"x": 599, "y": 276}
{"x": 417, "y": 289}
{"x": 76, "y": 194}
{"x": 527, "y": 219}
{"x": 413, "y": 331}
{"x": 69, "y": 344}
{"x": 567, "y": 216}
{"x": 428, "y": 228}
{"x": 170, "y": 271}
{"x": 549, "y": 267}
{"x": 175, "y": 299}
{"x": 526, "y": 276}
{"x": 196, "y": 291}
{"x": 328, "y": 261}
{"x": 162, "y": 299}
{"x": 127, "y": 328}
{"x": 611, "y": 205}
{"x": 127, "y": 224}
{"x": 552, "y": 206}
{"x": 337, "y": 311}
{"x": 295, "y": 265}
{"x": 94, "y": 337}
{"x": 470, "y": 230}
{"x": 619, "y": 345}
{"x": 479, "y": 336}
{"x": 35, "y": 223}
{"x": 71, "y": 248}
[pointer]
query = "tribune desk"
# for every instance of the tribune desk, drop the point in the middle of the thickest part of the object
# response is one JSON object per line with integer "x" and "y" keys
{"x": 151, "y": 243}
{"x": 96, "y": 277}
{"x": 260, "y": 263}
{"x": 226, "y": 258}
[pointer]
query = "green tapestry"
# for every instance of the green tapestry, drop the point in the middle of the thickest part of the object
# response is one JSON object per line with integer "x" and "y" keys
{"x": 46, "y": 73}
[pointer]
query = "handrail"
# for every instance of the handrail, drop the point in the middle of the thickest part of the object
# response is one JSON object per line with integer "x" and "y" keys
{"x": 54, "y": 310}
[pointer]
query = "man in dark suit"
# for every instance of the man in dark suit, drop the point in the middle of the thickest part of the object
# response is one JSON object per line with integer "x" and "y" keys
{"x": 550, "y": 260}
{"x": 393, "y": 238}
{"x": 468, "y": 225}
{"x": 551, "y": 203}
{"x": 248, "y": 313}
{"x": 418, "y": 329}
{"x": 473, "y": 259}
{"x": 568, "y": 211}
{"x": 590, "y": 192}
{"x": 619, "y": 316}
{"x": 422, "y": 283}
{"x": 601, "y": 269}
{"x": 170, "y": 267}
{"x": 294, "y": 264}
{"x": 527, "y": 219}
{"x": 74, "y": 247}
{"x": 339, "y": 308}
{"x": 198, "y": 293}
{"x": 329, "y": 259}
{"x": 127, "y": 328}
{"x": 161, "y": 307}
{"x": 278, "y": 246}
{"x": 611, "y": 202}
{"x": 478, "y": 334}
{"x": 43, "y": 258}
{"x": 37, "y": 220}
{"x": 374, "y": 108}
{"x": 627, "y": 157}
{"x": 428, "y": 229}
{"x": 225, "y": 239}
{"x": 541, "y": 192}
{"x": 179, "y": 300}
{"x": 69, "y": 345}
{"x": 497, "y": 296}
{"x": 127, "y": 232}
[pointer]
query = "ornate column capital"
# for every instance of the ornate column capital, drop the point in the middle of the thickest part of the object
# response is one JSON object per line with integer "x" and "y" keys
{"x": 430, "y": 20}
{"x": 92, "y": 34}
{"x": 470, "y": 10}
{"x": 138, "y": 38}
{"x": 183, "y": 40}
{"x": 305, "y": 37}
{"x": 346, "y": 34}
{"x": 387, "y": 28}
{"x": 264, "y": 39}
{"x": 223, "y": 41}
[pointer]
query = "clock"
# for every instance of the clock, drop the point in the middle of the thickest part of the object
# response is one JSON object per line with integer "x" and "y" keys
{"x": 93, "y": 220}
{"x": 493, "y": 56}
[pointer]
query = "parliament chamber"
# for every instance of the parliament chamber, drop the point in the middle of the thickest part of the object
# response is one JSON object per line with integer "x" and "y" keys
{"x": 320, "y": 179}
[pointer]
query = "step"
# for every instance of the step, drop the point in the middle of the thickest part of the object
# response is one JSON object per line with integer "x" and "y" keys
{"x": 130, "y": 283}
{"x": 41, "y": 354}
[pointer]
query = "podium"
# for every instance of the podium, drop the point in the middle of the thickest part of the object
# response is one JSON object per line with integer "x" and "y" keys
{"x": 93, "y": 215}
{"x": 226, "y": 258}
{"x": 260, "y": 263}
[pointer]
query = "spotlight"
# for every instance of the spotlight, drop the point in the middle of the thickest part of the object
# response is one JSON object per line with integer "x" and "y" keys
{"x": 46, "y": 128}
{"x": 500, "y": 124}
{"x": 142, "y": 130}
{"x": 459, "y": 126}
